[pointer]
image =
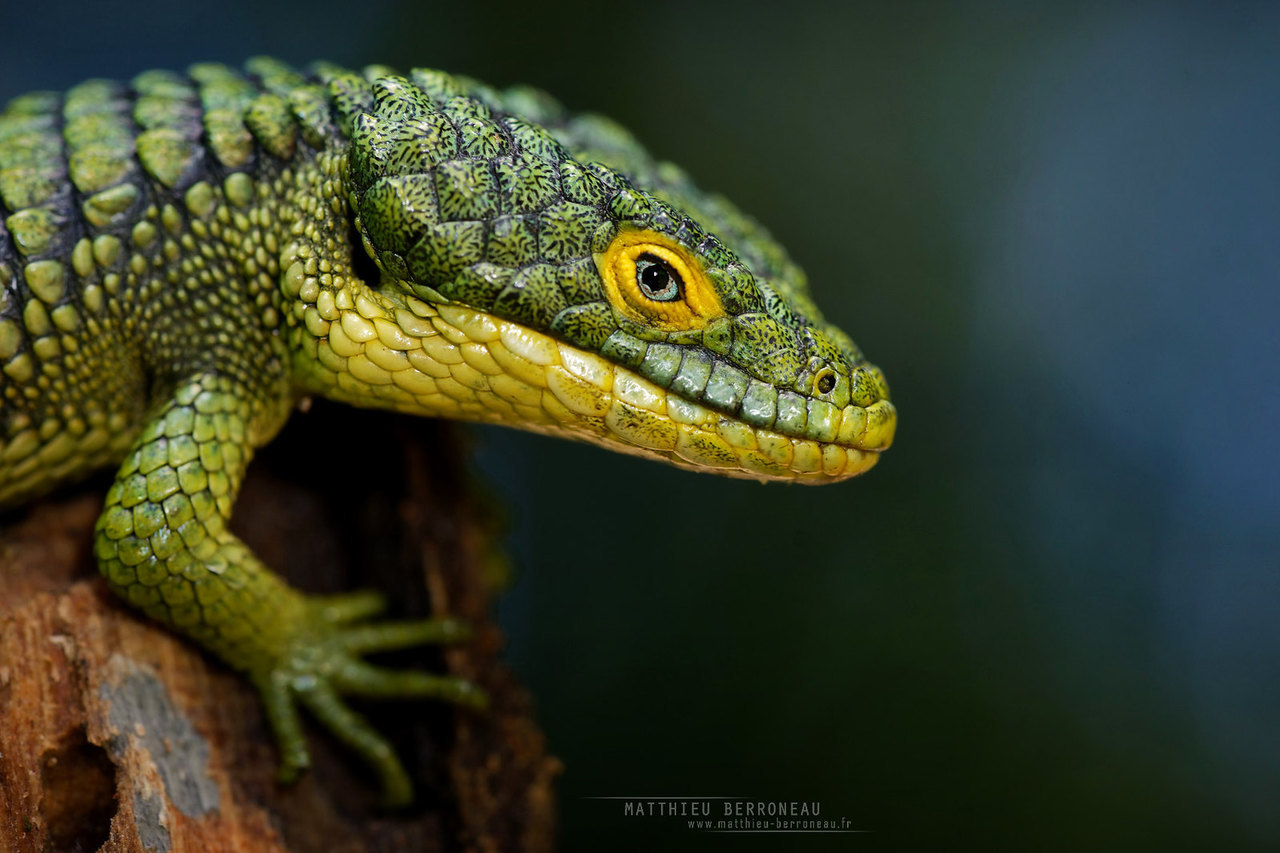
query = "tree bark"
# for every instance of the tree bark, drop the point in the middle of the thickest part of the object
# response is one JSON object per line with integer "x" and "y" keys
{"x": 116, "y": 735}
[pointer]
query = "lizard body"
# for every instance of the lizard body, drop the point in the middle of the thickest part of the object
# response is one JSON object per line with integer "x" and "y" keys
{"x": 185, "y": 257}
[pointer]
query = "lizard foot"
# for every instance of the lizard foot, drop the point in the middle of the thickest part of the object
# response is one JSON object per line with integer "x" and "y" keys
{"x": 322, "y": 663}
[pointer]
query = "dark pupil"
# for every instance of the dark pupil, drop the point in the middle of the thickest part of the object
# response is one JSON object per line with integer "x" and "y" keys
{"x": 656, "y": 279}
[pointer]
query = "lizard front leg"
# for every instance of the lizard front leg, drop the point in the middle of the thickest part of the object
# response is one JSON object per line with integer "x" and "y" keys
{"x": 163, "y": 544}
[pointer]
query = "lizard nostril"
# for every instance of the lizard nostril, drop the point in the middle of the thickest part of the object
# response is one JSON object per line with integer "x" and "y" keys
{"x": 825, "y": 381}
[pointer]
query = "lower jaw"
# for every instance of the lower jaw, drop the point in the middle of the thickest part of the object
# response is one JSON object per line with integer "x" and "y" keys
{"x": 723, "y": 446}
{"x": 587, "y": 398}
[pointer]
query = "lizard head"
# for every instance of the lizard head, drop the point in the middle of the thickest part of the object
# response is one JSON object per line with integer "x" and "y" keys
{"x": 613, "y": 300}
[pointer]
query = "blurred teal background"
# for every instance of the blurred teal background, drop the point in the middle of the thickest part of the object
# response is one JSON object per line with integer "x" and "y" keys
{"x": 1047, "y": 619}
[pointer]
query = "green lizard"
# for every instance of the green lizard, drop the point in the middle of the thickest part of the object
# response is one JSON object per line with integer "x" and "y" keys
{"x": 185, "y": 257}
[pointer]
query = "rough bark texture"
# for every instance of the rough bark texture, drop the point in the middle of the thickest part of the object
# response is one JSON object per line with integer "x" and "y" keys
{"x": 118, "y": 736}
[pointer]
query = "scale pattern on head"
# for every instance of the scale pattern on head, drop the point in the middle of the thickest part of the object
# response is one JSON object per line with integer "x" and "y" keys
{"x": 505, "y": 203}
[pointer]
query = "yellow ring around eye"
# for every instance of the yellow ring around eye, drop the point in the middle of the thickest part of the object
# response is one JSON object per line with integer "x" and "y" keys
{"x": 698, "y": 303}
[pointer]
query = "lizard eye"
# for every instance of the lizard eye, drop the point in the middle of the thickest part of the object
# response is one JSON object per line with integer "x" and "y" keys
{"x": 657, "y": 280}
{"x": 651, "y": 279}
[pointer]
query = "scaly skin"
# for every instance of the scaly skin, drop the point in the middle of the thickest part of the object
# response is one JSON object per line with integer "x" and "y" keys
{"x": 184, "y": 257}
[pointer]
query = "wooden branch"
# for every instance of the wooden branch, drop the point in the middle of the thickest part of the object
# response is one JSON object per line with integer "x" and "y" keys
{"x": 116, "y": 735}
